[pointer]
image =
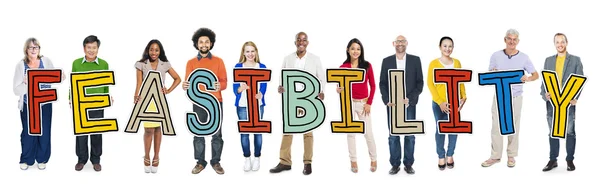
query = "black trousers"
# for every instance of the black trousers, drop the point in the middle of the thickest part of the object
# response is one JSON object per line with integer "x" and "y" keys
{"x": 81, "y": 143}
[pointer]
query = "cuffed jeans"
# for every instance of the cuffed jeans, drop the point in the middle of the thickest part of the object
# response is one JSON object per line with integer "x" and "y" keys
{"x": 200, "y": 145}
{"x": 242, "y": 113}
{"x": 409, "y": 142}
{"x": 440, "y": 138}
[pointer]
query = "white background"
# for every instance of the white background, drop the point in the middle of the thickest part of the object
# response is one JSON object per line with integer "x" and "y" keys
{"x": 125, "y": 27}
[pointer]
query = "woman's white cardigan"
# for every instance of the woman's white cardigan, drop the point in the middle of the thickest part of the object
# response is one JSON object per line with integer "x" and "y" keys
{"x": 19, "y": 86}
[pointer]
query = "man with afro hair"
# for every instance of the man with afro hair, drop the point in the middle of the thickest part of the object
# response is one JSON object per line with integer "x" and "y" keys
{"x": 204, "y": 41}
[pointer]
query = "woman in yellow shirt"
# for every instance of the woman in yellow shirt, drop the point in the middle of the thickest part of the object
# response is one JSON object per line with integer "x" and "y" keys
{"x": 440, "y": 105}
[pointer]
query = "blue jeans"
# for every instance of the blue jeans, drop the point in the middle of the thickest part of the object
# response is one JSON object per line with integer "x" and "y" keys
{"x": 409, "y": 142}
{"x": 440, "y": 138}
{"x": 242, "y": 113}
{"x": 199, "y": 142}
{"x": 554, "y": 143}
{"x": 36, "y": 148}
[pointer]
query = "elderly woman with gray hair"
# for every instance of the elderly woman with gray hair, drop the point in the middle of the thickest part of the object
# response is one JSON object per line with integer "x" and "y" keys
{"x": 34, "y": 148}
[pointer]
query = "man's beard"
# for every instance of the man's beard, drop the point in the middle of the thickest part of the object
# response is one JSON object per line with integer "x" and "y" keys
{"x": 204, "y": 51}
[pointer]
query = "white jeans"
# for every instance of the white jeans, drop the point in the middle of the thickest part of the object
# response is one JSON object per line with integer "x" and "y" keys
{"x": 358, "y": 107}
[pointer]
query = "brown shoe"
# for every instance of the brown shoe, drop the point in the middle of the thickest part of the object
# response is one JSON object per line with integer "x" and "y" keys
{"x": 197, "y": 169}
{"x": 79, "y": 166}
{"x": 279, "y": 168}
{"x": 97, "y": 167}
{"x": 218, "y": 169}
{"x": 307, "y": 169}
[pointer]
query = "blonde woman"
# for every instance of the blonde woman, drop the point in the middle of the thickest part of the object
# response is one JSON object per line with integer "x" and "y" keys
{"x": 249, "y": 59}
{"x": 33, "y": 148}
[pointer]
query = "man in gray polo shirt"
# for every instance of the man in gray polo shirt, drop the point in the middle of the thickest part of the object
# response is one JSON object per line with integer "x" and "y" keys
{"x": 509, "y": 59}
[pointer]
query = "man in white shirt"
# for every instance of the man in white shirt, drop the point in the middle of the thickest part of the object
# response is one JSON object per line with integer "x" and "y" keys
{"x": 311, "y": 64}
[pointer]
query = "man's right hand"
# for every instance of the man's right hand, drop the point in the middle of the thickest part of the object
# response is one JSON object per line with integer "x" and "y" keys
{"x": 280, "y": 89}
{"x": 391, "y": 104}
{"x": 185, "y": 85}
{"x": 547, "y": 96}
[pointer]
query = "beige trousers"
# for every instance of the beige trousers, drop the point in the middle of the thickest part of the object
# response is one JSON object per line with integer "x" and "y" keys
{"x": 498, "y": 139}
{"x": 285, "y": 152}
{"x": 358, "y": 108}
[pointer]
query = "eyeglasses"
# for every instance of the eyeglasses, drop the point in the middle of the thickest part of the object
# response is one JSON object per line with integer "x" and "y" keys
{"x": 511, "y": 39}
{"x": 399, "y": 41}
{"x": 34, "y": 48}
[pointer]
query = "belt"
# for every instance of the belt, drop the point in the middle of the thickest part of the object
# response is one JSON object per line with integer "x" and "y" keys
{"x": 360, "y": 100}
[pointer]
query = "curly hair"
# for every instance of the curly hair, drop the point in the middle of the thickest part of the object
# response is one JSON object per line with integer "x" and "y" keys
{"x": 204, "y": 32}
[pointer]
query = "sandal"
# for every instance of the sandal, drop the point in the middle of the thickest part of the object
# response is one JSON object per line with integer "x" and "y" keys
{"x": 511, "y": 162}
{"x": 373, "y": 166}
{"x": 147, "y": 167}
{"x": 155, "y": 165}
{"x": 354, "y": 167}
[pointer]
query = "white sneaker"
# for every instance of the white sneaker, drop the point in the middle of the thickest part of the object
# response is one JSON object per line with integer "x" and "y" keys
{"x": 24, "y": 166}
{"x": 256, "y": 164}
{"x": 248, "y": 164}
{"x": 42, "y": 166}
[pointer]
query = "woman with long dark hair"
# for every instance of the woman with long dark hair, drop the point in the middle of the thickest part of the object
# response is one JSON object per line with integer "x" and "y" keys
{"x": 154, "y": 58}
{"x": 362, "y": 98}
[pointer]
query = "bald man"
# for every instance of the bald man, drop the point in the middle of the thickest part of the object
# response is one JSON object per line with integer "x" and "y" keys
{"x": 300, "y": 59}
{"x": 413, "y": 78}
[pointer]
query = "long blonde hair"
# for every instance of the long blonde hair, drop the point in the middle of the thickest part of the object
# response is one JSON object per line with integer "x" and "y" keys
{"x": 243, "y": 57}
{"x": 26, "y": 46}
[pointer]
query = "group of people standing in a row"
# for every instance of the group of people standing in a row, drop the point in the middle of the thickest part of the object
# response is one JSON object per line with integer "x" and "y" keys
{"x": 37, "y": 148}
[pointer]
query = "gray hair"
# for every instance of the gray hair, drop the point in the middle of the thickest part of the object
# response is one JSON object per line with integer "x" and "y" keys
{"x": 33, "y": 41}
{"x": 512, "y": 32}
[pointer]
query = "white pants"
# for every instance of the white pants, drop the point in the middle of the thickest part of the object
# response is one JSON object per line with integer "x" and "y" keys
{"x": 358, "y": 107}
{"x": 513, "y": 140}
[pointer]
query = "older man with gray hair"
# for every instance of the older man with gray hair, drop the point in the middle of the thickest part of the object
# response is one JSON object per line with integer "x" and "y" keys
{"x": 509, "y": 59}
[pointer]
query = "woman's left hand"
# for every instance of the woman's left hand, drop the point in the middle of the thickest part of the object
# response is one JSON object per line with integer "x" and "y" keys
{"x": 462, "y": 103}
{"x": 259, "y": 96}
{"x": 367, "y": 109}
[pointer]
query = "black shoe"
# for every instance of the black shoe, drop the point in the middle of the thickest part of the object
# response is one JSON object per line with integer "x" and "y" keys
{"x": 409, "y": 170}
{"x": 307, "y": 169}
{"x": 442, "y": 167}
{"x": 280, "y": 167}
{"x": 394, "y": 170}
{"x": 570, "y": 165}
{"x": 450, "y": 165}
{"x": 551, "y": 165}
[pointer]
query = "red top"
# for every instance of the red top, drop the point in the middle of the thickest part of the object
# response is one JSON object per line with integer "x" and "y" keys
{"x": 360, "y": 89}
